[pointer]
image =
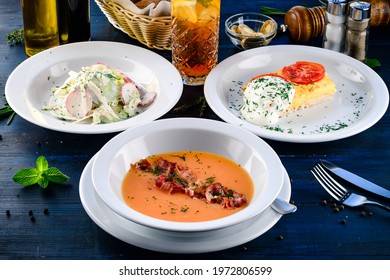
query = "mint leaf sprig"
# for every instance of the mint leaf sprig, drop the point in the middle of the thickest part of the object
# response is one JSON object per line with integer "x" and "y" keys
{"x": 7, "y": 112}
{"x": 372, "y": 62}
{"x": 42, "y": 174}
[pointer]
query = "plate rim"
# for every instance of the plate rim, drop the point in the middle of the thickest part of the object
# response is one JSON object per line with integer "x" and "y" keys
{"x": 211, "y": 84}
{"x": 21, "y": 105}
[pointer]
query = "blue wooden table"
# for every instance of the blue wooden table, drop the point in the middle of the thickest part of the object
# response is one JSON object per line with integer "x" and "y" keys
{"x": 315, "y": 231}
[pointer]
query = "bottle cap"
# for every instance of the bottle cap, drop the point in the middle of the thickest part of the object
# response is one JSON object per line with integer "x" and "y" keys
{"x": 359, "y": 10}
{"x": 337, "y": 7}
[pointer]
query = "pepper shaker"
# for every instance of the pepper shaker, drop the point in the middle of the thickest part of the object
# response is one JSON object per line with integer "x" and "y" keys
{"x": 358, "y": 24}
{"x": 335, "y": 17}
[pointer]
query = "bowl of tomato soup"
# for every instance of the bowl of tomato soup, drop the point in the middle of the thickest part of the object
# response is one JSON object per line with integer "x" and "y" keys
{"x": 187, "y": 174}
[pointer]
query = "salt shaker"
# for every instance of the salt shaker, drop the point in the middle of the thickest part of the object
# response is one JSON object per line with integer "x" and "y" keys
{"x": 358, "y": 23}
{"x": 335, "y": 17}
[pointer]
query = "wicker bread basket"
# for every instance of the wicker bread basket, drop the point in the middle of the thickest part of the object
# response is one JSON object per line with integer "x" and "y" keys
{"x": 154, "y": 32}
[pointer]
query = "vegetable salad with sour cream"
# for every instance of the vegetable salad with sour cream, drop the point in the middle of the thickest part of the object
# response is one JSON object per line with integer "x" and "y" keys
{"x": 99, "y": 93}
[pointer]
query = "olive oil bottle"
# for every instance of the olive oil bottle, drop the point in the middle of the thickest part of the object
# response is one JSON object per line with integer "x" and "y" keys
{"x": 40, "y": 25}
{"x": 74, "y": 20}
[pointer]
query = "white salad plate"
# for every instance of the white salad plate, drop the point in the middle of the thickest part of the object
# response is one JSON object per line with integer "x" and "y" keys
{"x": 28, "y": 88}
{"x": 361, "y": 100}
{"x": 174, "y": 242}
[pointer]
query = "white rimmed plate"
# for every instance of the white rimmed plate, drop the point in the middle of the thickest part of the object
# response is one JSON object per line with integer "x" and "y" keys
{"x": 361, "y": 99}
{"x": 28, "y": 88}
{"x": 168, "y": 242}
{"x": 187, "y": 134}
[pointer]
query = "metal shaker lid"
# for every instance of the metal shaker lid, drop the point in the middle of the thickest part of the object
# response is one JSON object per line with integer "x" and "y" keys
{"x": 359, "y": 10}
{"x": 337, "y": 7}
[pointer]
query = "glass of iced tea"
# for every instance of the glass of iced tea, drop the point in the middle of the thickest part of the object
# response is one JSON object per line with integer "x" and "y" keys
{"x": 195, "y": 35}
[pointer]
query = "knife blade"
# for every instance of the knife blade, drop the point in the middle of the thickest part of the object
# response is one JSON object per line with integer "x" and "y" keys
{"x": 355, "y": 179}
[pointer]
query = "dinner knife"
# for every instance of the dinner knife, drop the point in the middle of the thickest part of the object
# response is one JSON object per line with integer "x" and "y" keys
{"x": 356, "y": 180}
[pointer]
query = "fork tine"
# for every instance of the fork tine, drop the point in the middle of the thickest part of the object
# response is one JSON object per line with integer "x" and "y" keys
{"x": 337, "y": 189}
{"x": 320, "y": 179}
{"x": 328, "y": 180}
{"x": 337, "y": 186}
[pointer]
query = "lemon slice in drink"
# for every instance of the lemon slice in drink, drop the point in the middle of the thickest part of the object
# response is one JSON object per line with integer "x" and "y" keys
{"x": 210, "y": 13}
{"x": 185, "y": 10}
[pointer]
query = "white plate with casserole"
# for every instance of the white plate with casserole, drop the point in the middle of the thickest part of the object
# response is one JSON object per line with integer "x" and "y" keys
{"x": 28, "y": 88}
{"x": 361, "y": 99}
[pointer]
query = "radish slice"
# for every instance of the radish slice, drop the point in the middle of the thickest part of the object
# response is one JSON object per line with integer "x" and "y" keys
{"x": 78, "y": 102}
{"x": 127, "y": 92}
{"x": 126, "y": 78}
{"x": 147, "y": 99}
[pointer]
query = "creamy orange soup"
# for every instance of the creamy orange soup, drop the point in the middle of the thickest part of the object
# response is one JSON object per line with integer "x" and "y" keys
{"x": 140, "y": 192}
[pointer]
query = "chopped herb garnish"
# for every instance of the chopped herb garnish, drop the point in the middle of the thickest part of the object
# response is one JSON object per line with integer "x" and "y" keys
{"x": 183, "y": 157}
{"x": 182, "y": 182}
{"x": 229, "y": 193}
{"x": 157, "y": 170}
{"x": 275, "y": 128}
{"x": 337, "y": 126}
{"x": 171, "y": 176}
{"x": 210, "y": 180}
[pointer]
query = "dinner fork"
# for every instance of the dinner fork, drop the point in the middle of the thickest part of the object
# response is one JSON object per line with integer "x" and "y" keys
{"x": 339, "y": 192}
